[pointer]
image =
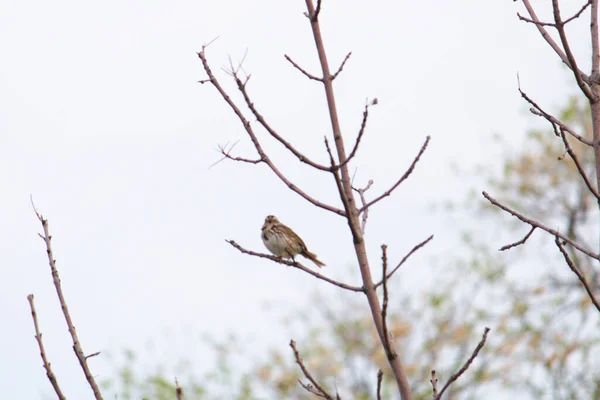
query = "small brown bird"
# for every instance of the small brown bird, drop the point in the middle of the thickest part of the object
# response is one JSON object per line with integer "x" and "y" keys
{"x": 283, "y": 242}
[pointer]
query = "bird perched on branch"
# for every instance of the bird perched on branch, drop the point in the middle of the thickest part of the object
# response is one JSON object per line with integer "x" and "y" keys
{"x": 283, "y": 242}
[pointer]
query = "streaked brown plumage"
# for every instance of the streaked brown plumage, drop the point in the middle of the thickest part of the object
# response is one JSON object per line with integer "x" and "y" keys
{"x": 283, "y": 242}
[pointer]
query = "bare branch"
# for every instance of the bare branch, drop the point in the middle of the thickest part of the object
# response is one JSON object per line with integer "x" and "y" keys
{"x": 560, "y": 27}
{"x": 213, "y": 80}
{"x": 93, "y": 354}
{"x": 410, "y": 253}
{"x": 389, "y": 350}
{"x": 296, "y": 264}
{"x": 576, "y": 271}
{"x": 464, "y": 367}
{"x": 553, "y": 24}
{"x": 434, "y": 382}
{"x": 76, "y": 344}
{"x": 520, "y": 242}
{"x": 322, "y": 392}
{"x": 178, "y": 390}
{"x": 361, "y": 193}
{"x": 549, "y": 39}
{"x": 38, "y": 337}
{"x": 537, "y": 110}
{"x": 379, "y": 382}
{"x": 242, "y": 88}
{"x": 402, "y": 179}
{"x": 226, "y": 152}
{"x": 341, "y": 66}
{"x": 578, "y": 13}
{"x": 537, "y": 224}
{"x": 573, "y": 156}
{"x": 299, "y": 68}
{"x": 363, "y": 125}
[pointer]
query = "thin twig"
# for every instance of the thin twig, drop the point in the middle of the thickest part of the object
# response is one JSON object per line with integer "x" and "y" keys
{"x": 537, "y": 224}
{"x": 38, "y": 337}
{"x": 410, "y": 253}
{"x": 299, "y": 68}
{"x": 341, "y": 66}
{"x": 365, "y": 215}
{"x": 578, "y": 165}
{"x": 402, "y": 179}
{"x": 178, "y": 390}
{"x": 63, "y": 303}
{"x": 537, "y": 110}
{"x": 213, "y": 80}
{"x": 434, "y": 382}
{"x": 296, "y": 264}
{"x": 389, "y": 350}
{"x": 466, "y": 366}
{"x": 577, "y": 272}
{"x": 226, "y": 152}
{"x": 363, "y": 125}
{"x": 308, "y": 376}
{"x": 379, "y": 382}
{"x": 520, "y": 242}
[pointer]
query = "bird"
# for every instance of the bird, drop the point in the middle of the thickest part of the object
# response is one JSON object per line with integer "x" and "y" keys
{"x": 284, "y": 242}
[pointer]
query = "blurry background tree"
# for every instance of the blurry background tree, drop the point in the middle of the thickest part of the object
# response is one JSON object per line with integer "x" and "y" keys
{"x": 546, "y": 335}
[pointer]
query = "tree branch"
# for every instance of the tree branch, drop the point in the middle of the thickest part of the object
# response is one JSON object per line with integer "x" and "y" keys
{"x": 178, "y": 390}
{"x": 560, "y": 27}
{"x": 379, "y": 382}
{"x": 434, "y": 382}
{"x": 76, "y": 344}
{"x": 213, "y": 80}
{"x": 38, "y": 337}
{"x": 296, "y": 264}
{"x": 299, "y": 68}
{"x": 537, "y": 224}
{"x": 363, "y": 125}
{"x": 316, "y": 388}
{"x": 464, "y": 367}
{"x": 410, "y": 253}
{"x": 341, "y": 66}
{"x": 365, "y": 215}
{"x": 580, "y": 169}
{"x": 389, "y": 350}
{"x": 520, "y": 242}
{"x": 551, "y": 41}
{"x": 537, "y": 110}
{"x": 402, "y": 179}
{"x": 576, "y": 271}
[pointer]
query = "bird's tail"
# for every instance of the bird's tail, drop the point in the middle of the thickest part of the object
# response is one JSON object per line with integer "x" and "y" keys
{"x": 313, "y": 257}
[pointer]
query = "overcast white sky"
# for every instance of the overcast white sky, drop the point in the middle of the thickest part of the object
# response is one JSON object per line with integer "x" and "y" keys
{"x": 103, "y": 122}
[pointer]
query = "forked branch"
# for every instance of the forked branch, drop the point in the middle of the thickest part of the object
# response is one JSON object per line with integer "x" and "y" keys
{"x": 247, "y": 126}
{"x": 65, "y": 309}
{"x": 539, "y": 225}
{"x": 556, "y": 123}
{"x": 314, "y": 387}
